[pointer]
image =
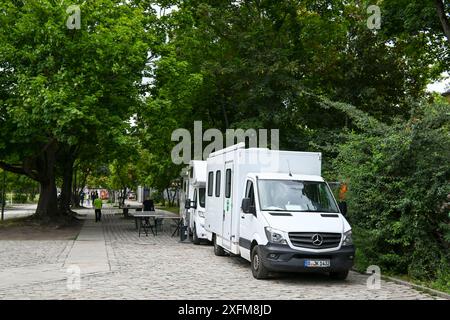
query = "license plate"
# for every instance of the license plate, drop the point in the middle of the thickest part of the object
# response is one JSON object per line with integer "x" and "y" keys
{"x": 317, "y": 263}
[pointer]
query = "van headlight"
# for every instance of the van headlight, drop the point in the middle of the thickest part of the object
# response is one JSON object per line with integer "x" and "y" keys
{"x": 201, "y": 214}
{"x": 347, "y": 241}
{"x": 275, "y": 236}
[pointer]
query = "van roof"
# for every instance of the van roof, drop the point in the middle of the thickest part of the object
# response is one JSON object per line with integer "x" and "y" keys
{"x": 199, "y": 167}
{"x": 286, "y": 176}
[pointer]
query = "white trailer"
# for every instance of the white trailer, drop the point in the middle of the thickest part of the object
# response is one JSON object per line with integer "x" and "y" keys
{"x": 193, "y": 199}
{"x": 274, "y": 209}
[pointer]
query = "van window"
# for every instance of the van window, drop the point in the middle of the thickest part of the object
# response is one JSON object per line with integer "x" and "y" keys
{"x": 210, "y": 183}
{"x": 195, "y": 197}
{"x": 228, "y": 183}
{"x": 218, "y": 183}
{"x": 201, "y": 197}
{"x": 250, "y": 193}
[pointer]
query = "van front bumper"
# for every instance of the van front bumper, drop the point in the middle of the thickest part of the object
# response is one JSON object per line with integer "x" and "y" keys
{"x": 283, "y": 258}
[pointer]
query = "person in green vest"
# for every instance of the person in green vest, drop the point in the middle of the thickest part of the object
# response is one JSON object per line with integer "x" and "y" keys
{"x": 98, "y": 209}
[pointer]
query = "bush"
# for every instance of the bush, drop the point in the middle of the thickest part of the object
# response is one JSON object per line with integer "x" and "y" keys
{"x": 20, "y": 198}
{"x": 399, "y": 179}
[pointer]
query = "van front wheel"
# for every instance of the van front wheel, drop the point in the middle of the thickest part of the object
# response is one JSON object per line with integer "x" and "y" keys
{"x": 218, "y": 250}
{"x": 259, "y": 271}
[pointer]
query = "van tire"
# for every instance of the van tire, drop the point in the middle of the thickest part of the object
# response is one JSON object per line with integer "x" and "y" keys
{"x": 259, "y": 271}
{"x": 218, "y": 250}
{"x": 195, "y": 238}
{"x": 339, "y": 275}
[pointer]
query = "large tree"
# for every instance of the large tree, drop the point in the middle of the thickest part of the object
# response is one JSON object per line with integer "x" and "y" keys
{"x": 65, "y": 88}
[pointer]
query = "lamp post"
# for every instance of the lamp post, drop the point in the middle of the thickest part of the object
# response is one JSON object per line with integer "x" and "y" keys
{"x": 3, "y": 195}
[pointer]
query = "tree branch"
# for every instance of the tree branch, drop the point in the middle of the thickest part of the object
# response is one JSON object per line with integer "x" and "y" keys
{"x": 443, "y": 18}
{"x": 19, "y": 170}
{"x": 12, "y": 168}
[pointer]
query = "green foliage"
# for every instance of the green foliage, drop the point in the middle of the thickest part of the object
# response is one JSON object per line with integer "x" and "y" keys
{"x": 23, "y": 188}
{"x": 399, "y": 180}
{"x": 68, "y": 94}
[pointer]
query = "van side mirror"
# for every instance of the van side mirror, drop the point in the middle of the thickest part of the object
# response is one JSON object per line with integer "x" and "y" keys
{"x": 188, "y": 204}
{"x": 247, "y": 207}
{"x": 343, "y": 207}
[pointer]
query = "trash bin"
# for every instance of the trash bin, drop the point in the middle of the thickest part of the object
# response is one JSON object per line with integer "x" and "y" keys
{"x": 183, "y": 233}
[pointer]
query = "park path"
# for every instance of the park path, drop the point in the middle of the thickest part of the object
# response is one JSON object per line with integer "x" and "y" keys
{"x": 87, "y": 252}
{"x": 19, "y": 211}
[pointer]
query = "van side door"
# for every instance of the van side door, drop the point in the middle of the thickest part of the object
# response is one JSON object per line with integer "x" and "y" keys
{"x": 227, "y": 205}
{"x": 247, "y": 224}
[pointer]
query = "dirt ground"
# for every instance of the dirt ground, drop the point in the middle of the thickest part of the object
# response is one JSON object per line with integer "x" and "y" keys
{"x": 30, "y": 230}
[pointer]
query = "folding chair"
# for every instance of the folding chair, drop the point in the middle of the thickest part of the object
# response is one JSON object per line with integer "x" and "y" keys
{"x": 144, "y": 223}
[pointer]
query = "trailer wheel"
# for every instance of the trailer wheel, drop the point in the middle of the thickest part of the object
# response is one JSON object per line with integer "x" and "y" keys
{"x": 259, "y": 271}
{"x": 195, "y": 239}
{"x": 339, "y": 275}
{"x": 218, "y": 250}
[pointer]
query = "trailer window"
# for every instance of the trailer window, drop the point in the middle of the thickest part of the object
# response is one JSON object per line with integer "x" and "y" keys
{"x": 210, "y": 183}
{"x": 218, "y": 183}
{"x": 228, "y": 183}
{"x": 201, "y": 197}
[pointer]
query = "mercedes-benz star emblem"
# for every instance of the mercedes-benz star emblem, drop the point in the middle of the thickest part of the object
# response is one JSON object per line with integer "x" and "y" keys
{"x": 317, "y": 239}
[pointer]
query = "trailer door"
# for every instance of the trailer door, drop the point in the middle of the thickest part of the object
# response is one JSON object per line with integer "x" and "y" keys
{"x": 227, "y": 205}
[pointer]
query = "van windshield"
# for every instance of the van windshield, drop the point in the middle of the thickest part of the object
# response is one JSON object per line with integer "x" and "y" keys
{"x": 293, "y": 195}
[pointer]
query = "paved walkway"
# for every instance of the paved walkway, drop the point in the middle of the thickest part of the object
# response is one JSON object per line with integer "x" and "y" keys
{"x": 117, "y": 264}
{"x": 88, "y": 253}
{"x": 19, "y": 211}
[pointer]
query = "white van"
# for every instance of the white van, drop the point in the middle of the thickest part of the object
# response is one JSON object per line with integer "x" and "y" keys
{"x": 274, "y": 209}
{"x": 193, "y": 199}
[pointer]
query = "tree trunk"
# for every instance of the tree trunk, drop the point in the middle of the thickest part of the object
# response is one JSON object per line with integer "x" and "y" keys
{"x": 170, "y": 198}
{"x": 123, "y": 196}
{"x": 440, "y": 9}
{"x": 41, "y": 168}
{"x": 66, "y": 189}
{"x": 75, "y": 191}
{"x": 48, "y": 203}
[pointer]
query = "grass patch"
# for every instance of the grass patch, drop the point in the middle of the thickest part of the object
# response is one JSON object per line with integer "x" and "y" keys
{"x": 35, "y": 229}
{"x": 15, "y": 222}
{"x": 442, "y": 283}
{"x": 170, "y": 209}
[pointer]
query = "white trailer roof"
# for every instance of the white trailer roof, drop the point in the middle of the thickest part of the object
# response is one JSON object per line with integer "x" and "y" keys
{"x": 265, "y": 160}
{"x": 286, "y": 176}
{"x": 199, "y": 172}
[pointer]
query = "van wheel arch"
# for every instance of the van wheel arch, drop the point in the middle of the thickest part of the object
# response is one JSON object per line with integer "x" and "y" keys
{"x": 218, "y": 250}
{"x": 195, "y": 238}
{"x": 259, "y": 270}
{"x": 254, "y": 244}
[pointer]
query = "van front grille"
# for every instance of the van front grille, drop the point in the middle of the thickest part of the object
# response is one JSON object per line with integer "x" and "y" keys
{"x": 315, "y": 240}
